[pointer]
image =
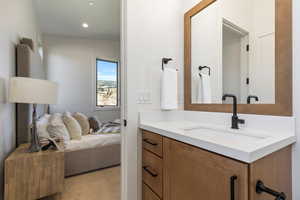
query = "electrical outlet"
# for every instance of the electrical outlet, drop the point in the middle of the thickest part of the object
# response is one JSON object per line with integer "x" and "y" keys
{"x": 144, "y": 97}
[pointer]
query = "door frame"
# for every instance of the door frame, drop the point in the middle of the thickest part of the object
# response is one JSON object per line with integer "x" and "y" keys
{"x": 123, "y": 103}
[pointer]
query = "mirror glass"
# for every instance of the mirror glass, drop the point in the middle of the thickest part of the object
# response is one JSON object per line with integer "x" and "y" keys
{"x": 233, "y": 52}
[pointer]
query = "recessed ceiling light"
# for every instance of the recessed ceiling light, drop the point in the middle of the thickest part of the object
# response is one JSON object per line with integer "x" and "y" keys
{"x": 91, "y": 3}
{"x": 85, "y": 25}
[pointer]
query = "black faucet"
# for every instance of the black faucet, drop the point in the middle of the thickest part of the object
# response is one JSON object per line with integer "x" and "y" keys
{"x": 252, "y": 97}
{"x": 235, "y": 121}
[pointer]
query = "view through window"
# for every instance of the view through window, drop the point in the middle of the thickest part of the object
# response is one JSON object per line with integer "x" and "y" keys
{"x": 107, "y": 83}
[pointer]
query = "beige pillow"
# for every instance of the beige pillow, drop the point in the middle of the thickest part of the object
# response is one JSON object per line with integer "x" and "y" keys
{"x": 83, "y": 121}
{"x": 73, "y": 126}
{"x": 57, "y": 128}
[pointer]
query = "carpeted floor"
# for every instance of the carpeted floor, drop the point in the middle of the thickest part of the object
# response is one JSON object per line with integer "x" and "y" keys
{"x": 99, "y": 185}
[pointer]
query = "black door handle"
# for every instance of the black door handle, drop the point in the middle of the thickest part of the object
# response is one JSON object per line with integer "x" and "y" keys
{"x": 260, "y": 188}
{"x": 232, "y": 187}
{"x": 153, "y": 174}
{"x": 149, "y": 142}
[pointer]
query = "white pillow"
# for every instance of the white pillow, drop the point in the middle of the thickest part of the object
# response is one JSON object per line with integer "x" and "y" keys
{"x": 42, "y": 125}
{"x": 83, "y": 121}
{"x": 57, "y": 128}
{"x": 73, "y": 126}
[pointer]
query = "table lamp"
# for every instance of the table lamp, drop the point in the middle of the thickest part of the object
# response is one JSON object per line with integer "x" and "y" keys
{"x": 32, "y": 91}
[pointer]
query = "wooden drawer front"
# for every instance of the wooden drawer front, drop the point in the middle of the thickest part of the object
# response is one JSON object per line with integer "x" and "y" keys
{"x": 153, "y": 142}
{"x": 152, "y": 172}
{"x": 148, "y": 194}
{"x": 197, "y": 174}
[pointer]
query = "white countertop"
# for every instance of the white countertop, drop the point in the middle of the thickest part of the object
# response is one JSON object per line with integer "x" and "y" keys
{"x": 246, "y": 145}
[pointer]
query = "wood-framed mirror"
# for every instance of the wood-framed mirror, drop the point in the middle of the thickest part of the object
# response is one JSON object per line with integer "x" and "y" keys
{"x": 242, "y": 48}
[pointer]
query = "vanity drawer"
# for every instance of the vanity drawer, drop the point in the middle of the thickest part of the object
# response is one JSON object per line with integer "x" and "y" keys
{"x": 148, "y": 194}
{"x": 152, "y": 172}
{"x": 153, "y": 142}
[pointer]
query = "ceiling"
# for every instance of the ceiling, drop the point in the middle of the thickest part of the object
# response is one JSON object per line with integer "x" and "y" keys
{"x": 65, "y": 17}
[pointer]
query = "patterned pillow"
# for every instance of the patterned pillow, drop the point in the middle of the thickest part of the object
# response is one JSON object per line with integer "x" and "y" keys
{"x": 84, "y": 123}
{"x": 73, "y": 126}
{"x": 94, "y": 124}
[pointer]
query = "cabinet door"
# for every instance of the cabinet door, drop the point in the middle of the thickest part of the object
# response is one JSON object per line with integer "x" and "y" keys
{"x": 275, "y": 171}
{"x": 148, "y": 194}
{"x": 191, "y": 173}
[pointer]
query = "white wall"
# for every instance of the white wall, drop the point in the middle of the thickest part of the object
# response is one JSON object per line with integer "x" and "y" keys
{"x": 262, "y": 51}
{"x": 231, "y": 64}
{"x": 237, "y": 12}
{"x": 152, "y": 32}
{"x": 204, "y": 52}
{"x": 296, "y": 100}
{"x": 71, "y": 62}
{"x": 17, "y": 20}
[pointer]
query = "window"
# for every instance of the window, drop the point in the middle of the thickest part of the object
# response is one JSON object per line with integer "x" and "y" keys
{"x": 107, "y": 89}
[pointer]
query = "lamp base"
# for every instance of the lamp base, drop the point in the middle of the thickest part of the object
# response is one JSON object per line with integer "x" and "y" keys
{"x": 35, "y": 144}
{"x": 34, "y": 148}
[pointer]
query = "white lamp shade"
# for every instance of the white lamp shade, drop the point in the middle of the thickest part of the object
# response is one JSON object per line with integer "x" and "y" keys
{"x": 32, "y": 91}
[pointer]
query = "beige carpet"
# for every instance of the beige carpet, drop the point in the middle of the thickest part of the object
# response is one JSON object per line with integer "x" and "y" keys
{"x": 99, "y": 185}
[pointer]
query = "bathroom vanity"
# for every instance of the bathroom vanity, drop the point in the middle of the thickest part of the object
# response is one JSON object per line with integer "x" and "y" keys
{"x": 199, "y": 155}
{"x": 188, "y": 160}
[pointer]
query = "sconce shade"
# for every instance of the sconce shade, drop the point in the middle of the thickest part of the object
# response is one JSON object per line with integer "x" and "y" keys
{"x": 32, "y": 91}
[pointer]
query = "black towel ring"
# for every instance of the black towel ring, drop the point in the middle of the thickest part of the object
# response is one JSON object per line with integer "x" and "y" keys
{"x": 165, "y": 61}
{"x": 205, "y": 67}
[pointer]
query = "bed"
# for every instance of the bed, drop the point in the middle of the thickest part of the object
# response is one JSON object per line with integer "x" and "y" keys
{"x": 92, "y": 152}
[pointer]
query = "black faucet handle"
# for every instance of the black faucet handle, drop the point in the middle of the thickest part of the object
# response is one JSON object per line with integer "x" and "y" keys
{"x": 241, "y": 121}
{"x": 225, "y": 96}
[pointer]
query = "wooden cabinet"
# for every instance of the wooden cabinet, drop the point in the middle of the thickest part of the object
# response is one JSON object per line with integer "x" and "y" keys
{"x": 30, "y": 176}
{"x": 191, "y": 173}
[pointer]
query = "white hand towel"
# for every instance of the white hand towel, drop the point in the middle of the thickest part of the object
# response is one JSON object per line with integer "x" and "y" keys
{"x": 169, "y": 90}
{"x": 204, "y": 89}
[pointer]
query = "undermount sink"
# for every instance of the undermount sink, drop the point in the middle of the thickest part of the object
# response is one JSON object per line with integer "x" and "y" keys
{"x": 228, "y": 134}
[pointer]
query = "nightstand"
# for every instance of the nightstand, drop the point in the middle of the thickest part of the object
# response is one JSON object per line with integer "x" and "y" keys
{"x": 30, "y": 176}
